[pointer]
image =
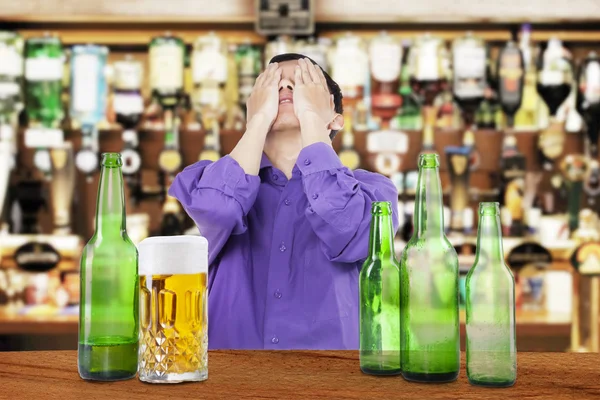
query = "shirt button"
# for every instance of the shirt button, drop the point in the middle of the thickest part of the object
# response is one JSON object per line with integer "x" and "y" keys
{"x": 275, "y": 177}
{"x": 287, "y": 202}
{"x": 274, "y": 340}
{"x": 277, "y": 294}
{"x": 315, "y": 196}
{"x": 307, "y": 162}
{"x": 282, "y": 247}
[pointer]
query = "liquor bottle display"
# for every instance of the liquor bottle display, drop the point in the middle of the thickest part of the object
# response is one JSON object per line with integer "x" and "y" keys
{"x": 379, "y": 288}
{"x": 11, "y": 81}
{"x": 510, "y": 83}
{"x": 109, "y": 303}
{"x": 588, "y": 99}
{"x": 88, "y": 101}
{"x": 385, "y": 55}
{"x": 167, "y": 55}
{"x": 490, "y": 305}
{"x": 511, "y": 80}
{"x": 554, "y": 85}
{"x": 43, "y": 90}
{"x": 348, "y": 154}
{"x": 128, "y": 105}
{"x": 428, "y": 79}
{"x": 470, "y": 63}
{"x": 409, "y": 114}
{"x": 249, "y": 67}
{"x": 430, "y": 345}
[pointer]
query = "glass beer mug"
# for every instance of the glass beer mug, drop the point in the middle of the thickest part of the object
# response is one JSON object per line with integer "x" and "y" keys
{"x": 173, "y": 309}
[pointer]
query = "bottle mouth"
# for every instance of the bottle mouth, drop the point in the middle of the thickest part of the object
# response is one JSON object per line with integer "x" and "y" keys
{"x": 111, "y": 160}
{"x": 489, "y": 208}
{"x": 429, "y": 160}
{"x": 381, "y": 208}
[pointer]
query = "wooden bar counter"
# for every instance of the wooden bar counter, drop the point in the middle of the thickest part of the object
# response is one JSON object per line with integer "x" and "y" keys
{"x": 295, "y": 375}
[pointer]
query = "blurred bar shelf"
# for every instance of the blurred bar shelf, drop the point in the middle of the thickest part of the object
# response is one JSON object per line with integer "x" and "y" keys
{"x": 11, "y": 324}
{"x": 529, "y": 323}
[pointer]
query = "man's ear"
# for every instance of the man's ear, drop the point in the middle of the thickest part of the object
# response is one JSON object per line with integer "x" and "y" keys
{"x": 337, "y": 123}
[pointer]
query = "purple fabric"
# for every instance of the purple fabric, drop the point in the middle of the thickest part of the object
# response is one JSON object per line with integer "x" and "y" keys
{"x": 284, "y": 255}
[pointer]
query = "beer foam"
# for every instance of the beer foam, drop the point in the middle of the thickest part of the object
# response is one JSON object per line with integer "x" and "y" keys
{"x": 170, "y": 255}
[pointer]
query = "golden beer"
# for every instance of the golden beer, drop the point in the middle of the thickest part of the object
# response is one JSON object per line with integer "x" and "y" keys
{"x": 173, "y": 309}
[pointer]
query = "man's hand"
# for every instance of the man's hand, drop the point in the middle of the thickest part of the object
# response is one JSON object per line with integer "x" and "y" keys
{"x": 263, "y": 103}
{"x": 313, "y": 104}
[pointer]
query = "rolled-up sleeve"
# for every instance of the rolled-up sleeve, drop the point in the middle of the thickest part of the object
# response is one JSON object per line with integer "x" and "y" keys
{"x": 217, "y": 196}
{"x": 340, "y": 201}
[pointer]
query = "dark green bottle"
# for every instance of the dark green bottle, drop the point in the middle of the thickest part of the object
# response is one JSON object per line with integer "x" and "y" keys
{"x": 379, "y": 287}
{"x": 430, "y": 336}
{"x": 44, "y": 60}
{"x": 109, "y": 299}
{"x": 490, "y": 304}
{"x": 409, "y": 115}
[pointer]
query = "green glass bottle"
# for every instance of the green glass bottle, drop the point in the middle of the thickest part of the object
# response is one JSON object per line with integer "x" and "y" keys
{"x": 44, "y": 61}
{"x": 409, "y": 114}
{"x": 109, "y": 304}
{"x": 430, "y": 334}
{"x": 379, "y": 287}
{"x": 490, "y": 306}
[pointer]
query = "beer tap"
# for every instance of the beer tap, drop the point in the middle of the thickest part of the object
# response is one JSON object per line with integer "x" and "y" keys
{"x": 62, "y": 187}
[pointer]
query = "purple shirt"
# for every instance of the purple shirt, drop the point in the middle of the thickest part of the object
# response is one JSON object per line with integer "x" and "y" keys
{"x": 284, "y": 255}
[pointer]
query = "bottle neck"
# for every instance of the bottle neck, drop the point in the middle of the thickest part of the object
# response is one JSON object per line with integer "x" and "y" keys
{"x": 429, "y": 206}
{"x": 110, "y": 205}
{"x": 381, "y": 242}
{"x": 489, "y": 238}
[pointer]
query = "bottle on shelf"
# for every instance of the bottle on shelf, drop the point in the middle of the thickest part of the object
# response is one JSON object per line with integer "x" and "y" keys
{"x": 385, "y": 61}
{"x": 11, "y": 103}
{"x": 43, "y": 89}
{"x": 379, "y": 288}
{"x": 128, "y": 105}
{"x": 210, "y": 68}
{"x": 248, "y": 58}
{"x": 430, "y": 345}
{"x": 108, "y": 312}
{"x": 490, "y": 307}
{"x": 409, "y": 114}
{"x": 555, "y": 78}
{"x": 428, "y": 79}
{"x": 167, "y": 57}
{"x": 348, "y": 154}
{"x": 588, "y": 105}
{"x": 88, "y": 102}
{"x": 470, "y": 61}
{"x": 527, "y": 117}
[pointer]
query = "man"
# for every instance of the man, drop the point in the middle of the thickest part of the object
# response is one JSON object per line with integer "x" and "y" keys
{"x": 287, "y": 224}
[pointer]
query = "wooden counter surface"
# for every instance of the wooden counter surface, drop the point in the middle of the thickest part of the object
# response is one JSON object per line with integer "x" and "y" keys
{"x": 296, "y": 375}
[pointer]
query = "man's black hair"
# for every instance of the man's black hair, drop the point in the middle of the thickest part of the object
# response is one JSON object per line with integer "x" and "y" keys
{"x": 334, "y": 89}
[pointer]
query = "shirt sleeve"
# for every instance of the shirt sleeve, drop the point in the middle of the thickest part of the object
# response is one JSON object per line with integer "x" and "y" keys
{"x": 217, "y": 196}
{"x": 340, "y": 201}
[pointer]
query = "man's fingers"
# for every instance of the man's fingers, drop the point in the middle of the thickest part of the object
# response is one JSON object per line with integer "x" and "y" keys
{"x": 305, "y": 74}
{"x": 312, "y": 70}
{"x": 270, "y": 70}
{"x": 298, "y": 76}
{"x": 275, "y": 77}
{"x": 322, "y": 78}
